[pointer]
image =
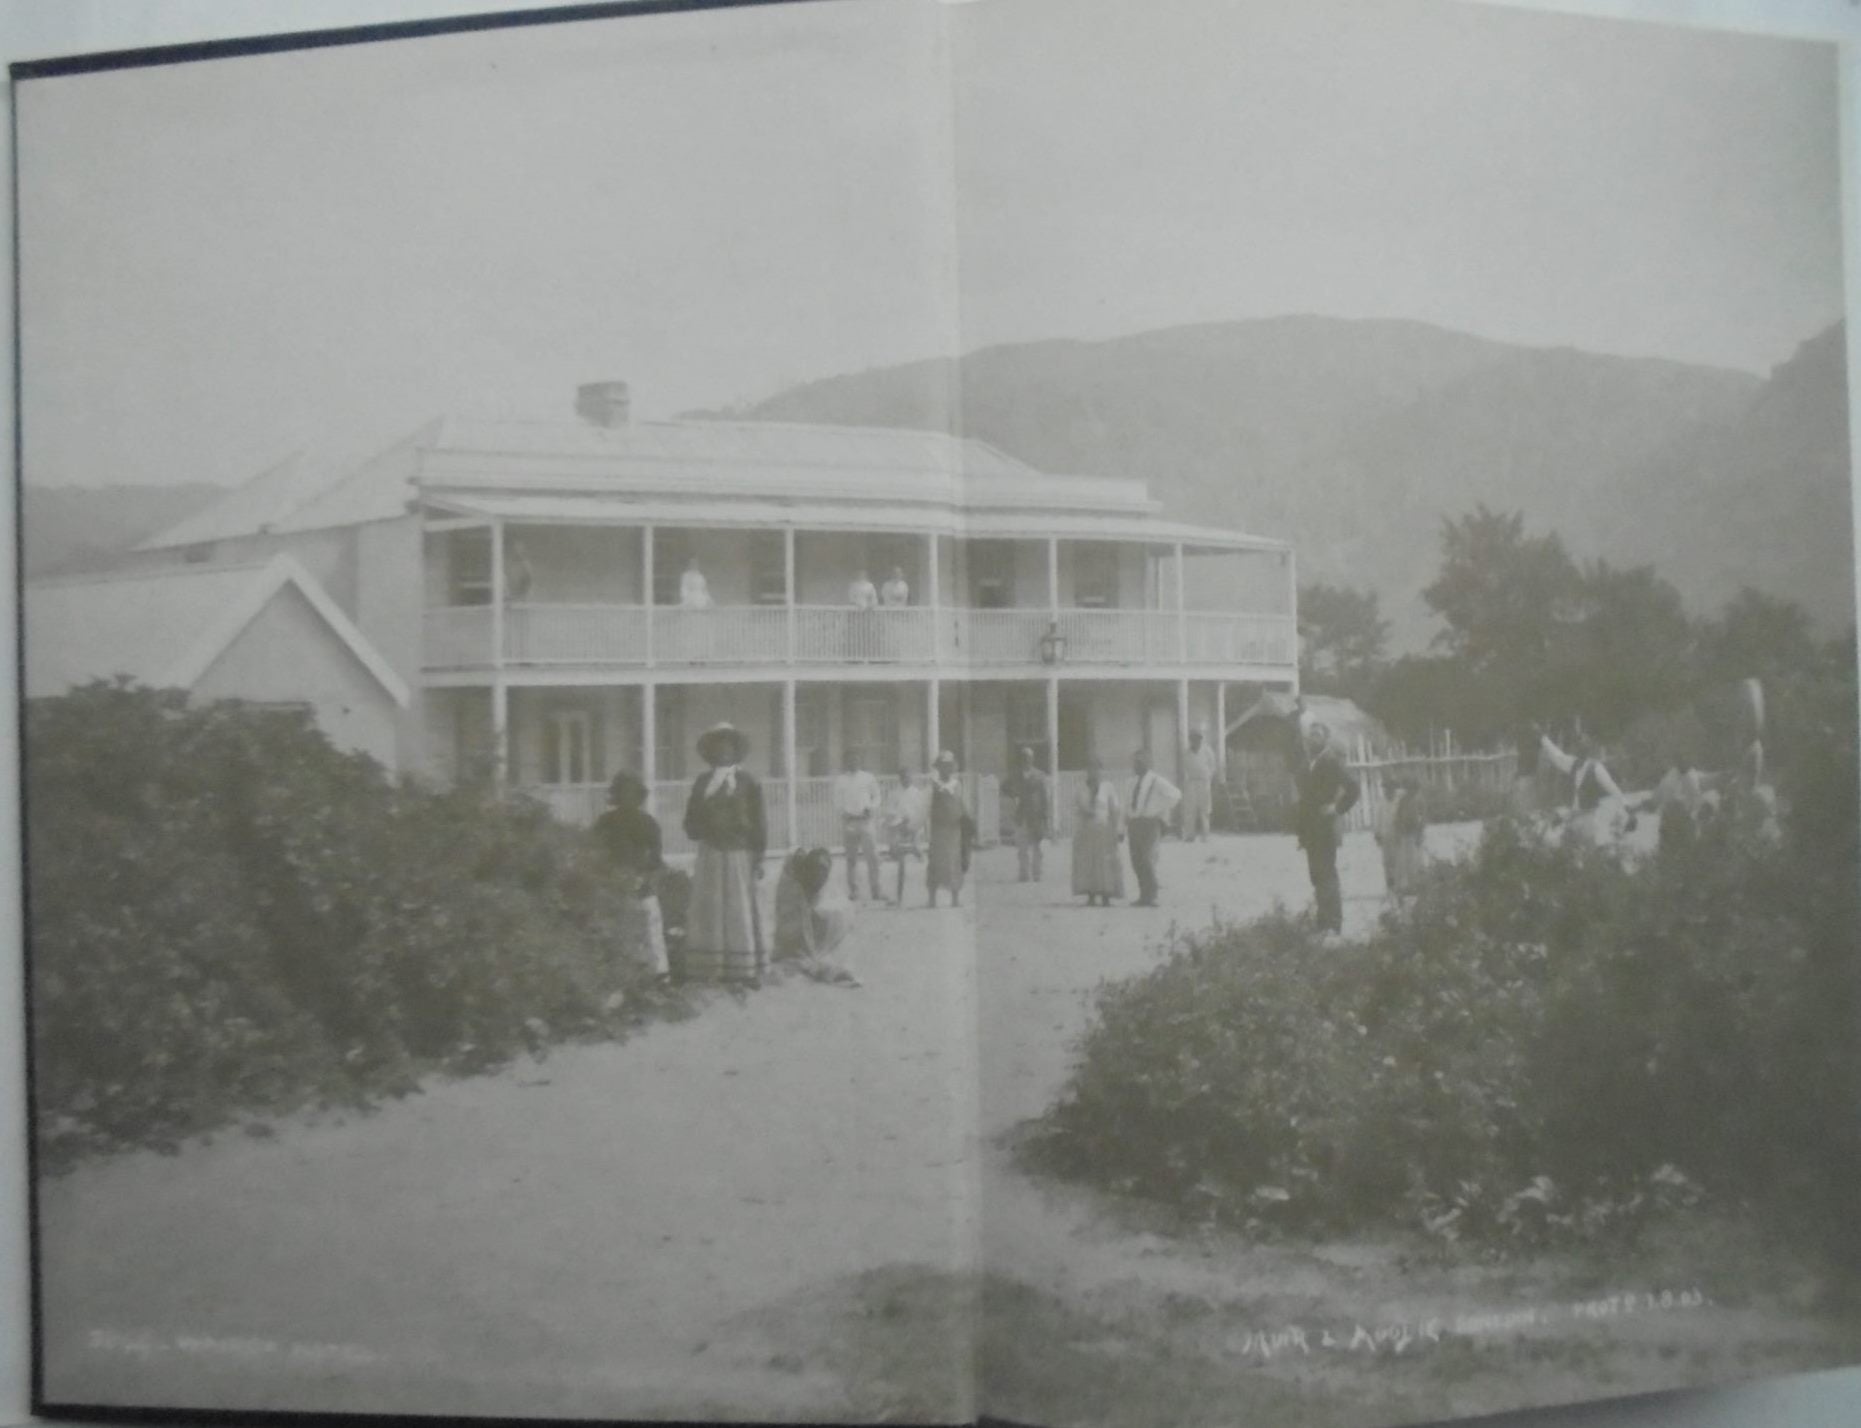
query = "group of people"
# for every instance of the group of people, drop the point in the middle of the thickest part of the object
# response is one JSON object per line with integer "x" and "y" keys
{"x": 1104, "y": 821}
{"x": 931, "y": 824}
{"x": 722, "y": 938}
{"x": 694, "y": 591}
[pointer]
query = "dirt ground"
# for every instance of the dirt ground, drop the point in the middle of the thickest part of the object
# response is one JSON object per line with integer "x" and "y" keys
{"x": 778, "y": 1210}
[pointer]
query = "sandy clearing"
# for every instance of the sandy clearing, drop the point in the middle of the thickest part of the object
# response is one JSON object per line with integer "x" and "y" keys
{"x": 571, "y": 1235}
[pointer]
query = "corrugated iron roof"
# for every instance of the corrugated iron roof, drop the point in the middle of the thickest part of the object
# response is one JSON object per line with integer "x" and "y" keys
{"x": 768, "y": 459}
{"x": 141, "y": 624}
{"x": 165, "y": 627}
{"x": 595, "y": 508}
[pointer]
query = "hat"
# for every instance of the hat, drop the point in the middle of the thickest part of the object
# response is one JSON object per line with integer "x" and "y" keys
{"x": 946, "y": 757}
{"x": 725, "y": 733}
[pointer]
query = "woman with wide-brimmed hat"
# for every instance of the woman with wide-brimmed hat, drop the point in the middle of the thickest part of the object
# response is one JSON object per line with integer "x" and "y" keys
{"x": 724, "y": 817}
{"x": 948, "y": 813}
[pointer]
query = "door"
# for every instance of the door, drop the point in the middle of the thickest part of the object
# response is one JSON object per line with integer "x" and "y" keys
{"x": 1160, "y": 738}
{"x": 568, "y": 748}
{"x": 1075, "y": 731}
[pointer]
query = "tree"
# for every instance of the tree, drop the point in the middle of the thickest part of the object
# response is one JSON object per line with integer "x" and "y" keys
{"x": 1758, "y": 636}
{"x": 1502, "y": 596}
{"x": 1630, "y": 651}
{"x": 1342, "y": 635}
{"x": 1507, "y": 602}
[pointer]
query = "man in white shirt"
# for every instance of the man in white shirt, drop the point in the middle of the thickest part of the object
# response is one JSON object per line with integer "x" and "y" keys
{"x": 862, "y": 594}
{"x": 897, "y": 592}
{"x": 1198, "y": 787}
{"x": 857, "y": 799}
{"x": 1153, "y": 799}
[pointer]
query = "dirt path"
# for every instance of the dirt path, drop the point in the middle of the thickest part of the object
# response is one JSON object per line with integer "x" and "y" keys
{"x": 580, "y": 1235}
{"x": 771, "y": 1212}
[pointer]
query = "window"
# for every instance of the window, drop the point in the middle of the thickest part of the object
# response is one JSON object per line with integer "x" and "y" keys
{"x": 870, "y": 729}
{"x": 768, "y": 568}
{"x": 570, "y": 752}
{"x": 991, "y": 574}
{"x": 668, "y": 735}
{"x": 671, "y": 550}
{"x": 468, "y": 568}
{"x": 1095, "y": 575}
{"x": 811, "y": 732}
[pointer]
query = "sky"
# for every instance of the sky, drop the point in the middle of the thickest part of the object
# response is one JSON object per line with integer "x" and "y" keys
{"x": 225, "y": 262}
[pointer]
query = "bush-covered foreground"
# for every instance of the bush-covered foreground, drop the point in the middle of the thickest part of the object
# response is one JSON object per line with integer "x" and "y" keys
{"x": 228, "y": 916}
{"x": 1544, "y": 1045}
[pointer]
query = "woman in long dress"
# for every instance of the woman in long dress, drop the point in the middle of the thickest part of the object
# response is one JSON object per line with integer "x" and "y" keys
{"x": 944, "y": 864}
{"x": 1098, "y": 829}
{"x": 724, "y": 817}
{"x": 1401, "y": 823}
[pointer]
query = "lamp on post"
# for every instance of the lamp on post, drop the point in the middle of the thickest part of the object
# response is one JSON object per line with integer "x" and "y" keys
{"x": 1052, "y": 644}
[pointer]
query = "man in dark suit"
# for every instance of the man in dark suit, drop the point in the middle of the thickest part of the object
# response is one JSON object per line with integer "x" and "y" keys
{"x": 1327, "y": 791}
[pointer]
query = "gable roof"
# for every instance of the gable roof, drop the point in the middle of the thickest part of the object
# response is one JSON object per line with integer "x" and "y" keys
{"x": 165, "y": 628}
{"x": 1345, "y": 718}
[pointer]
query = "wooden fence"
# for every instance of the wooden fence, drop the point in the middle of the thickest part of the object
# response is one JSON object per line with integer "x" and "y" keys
{"x": 1458, "y": 783}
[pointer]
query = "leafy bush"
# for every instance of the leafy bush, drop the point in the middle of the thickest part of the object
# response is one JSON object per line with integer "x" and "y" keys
{"x": 227, "y": 915}
{"x": 1544, "y": 1044}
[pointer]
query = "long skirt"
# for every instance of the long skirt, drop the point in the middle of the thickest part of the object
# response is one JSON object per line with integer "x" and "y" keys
{"x": 643, "y": 932}
{"x": 1403, "y": 861}
{"x": 1097, "y": 868}
{"x": 944, "y": 866}
{"x": 723, "y": 942}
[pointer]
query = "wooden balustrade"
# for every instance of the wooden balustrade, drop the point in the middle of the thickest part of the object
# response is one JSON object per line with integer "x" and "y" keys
{"x": 624, "y": 635}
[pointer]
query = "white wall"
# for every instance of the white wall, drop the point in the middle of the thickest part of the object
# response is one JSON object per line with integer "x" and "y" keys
{"x": 288, "y": 654}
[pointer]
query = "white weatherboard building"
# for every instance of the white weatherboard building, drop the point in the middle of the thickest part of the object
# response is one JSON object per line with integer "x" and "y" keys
{"x": 525, "y": 579}
{"x": 265, "y": 633}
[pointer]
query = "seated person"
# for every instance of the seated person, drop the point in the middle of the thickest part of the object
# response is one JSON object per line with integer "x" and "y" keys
{"x": 808, "y": 926}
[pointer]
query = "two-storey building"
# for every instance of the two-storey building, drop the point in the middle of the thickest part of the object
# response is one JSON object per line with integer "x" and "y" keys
{"x": 535, "y": 584}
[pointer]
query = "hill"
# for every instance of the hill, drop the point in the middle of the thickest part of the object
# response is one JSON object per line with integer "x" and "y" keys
{"x": 1355, "y": 438}
{"x": 72, "y": 530}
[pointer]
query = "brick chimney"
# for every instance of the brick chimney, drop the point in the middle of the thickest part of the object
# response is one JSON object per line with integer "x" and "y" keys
{"x": 603, "y": 403}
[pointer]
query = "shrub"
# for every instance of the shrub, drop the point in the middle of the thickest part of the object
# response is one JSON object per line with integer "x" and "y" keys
{"x": 1543, "y": 1044}
{"x": 229, "y": 916}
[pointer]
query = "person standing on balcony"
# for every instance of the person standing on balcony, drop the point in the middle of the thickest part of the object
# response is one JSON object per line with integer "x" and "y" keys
{"x": 518, "y": 576}
{"x": 724, "y": 817}
{"x": 1327, "y": 791}
{"x": 904, "y": 826}
{"x": 857, "y": 800}
{"x": 897, "y": 592}
{"x": 1153, "y": 800}
{"x": 1198, "y": 788}
{"x": 630, "y": 837}
{"x": 948, "y": 813}
{"x": 1098, "y": 829}
{"x": 862, "y": 632}
{"x": 1033, "y": 814}
{"x": 694, "y": 592}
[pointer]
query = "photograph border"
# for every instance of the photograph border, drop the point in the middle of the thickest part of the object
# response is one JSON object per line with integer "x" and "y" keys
{"x": 1825, "y": 1397}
